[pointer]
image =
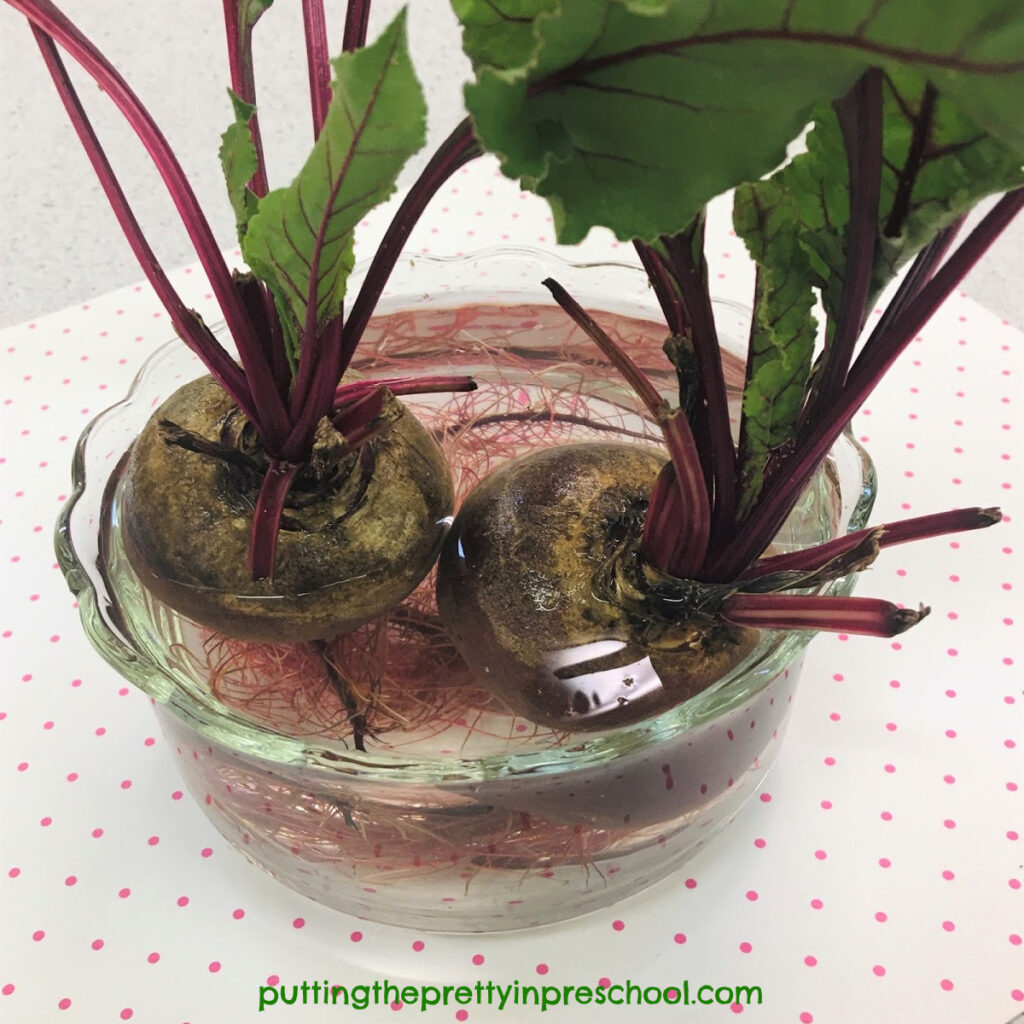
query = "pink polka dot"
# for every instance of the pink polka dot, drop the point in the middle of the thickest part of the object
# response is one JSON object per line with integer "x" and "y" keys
{"x": 182, "y": 901}
{"x": 64, "y": 1003}
{"x": 206, "y": 852}
{"x": 462, "y": 1015}
{"x": 126, "y": 1013}
{"x": 690, "y": 883}
{"x": 811, "y": 961}
{"x": 38, "y": 936}
{"x": 1017, "y": 995}
{"x": 71, "y": 880}
{"x": 478, "y": 959}
{"x": 949, "y": 823}
{"x": 946, "y": 985}
{"x": 752, "y": 895}
{"x": 766, "y": 798}
{"x": 46, "y": 822}
{"x": 890, "y": 768}
{"x": 680, "y": 938}
{"x": 817, "y": 904}
{"x": 806, "y": 1018}
{"x": 878, "y": 971}
{"x": 273, "y": 979}
{"x": 214, "y": 966}
{"x": 881, "y": 916}
{"x": 299, "y": 922}
{"x": 542, "y": 968}
{"x": 356, "y": 936}
{"x": 886, "y": 815}
{"x": 153, "y": 840}
{"x": 153, "y": 958}
{"x": 745, "y": 947}
{"x": 948, "y": 875}
{"x": 884, "y": 862}
{"x": 1012, "y": 836}
{"x": 948, "y": 926}
{"x": 736, "y": 1007}
{"x": 820, "y": 854}
{"x": 760, "y": 844}
{"x": 124, "y": 893}
{"x": 1016, "y": 940}
{"x": 419, "y": 945}
{"x": 126, "y": 783}
{"x": 618, "y": 925}
{"x": 97, "y": 944}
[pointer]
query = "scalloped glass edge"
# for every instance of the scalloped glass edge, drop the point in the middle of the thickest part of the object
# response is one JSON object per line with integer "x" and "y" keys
{"x": 221, "y": 724}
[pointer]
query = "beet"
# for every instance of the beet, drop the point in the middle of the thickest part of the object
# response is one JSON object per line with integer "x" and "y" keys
{"x": 360, "y": 528}
{"x": 542, "y": 588}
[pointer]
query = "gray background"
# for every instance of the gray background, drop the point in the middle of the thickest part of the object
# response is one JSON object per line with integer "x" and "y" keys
{"x": 61, "y": 244}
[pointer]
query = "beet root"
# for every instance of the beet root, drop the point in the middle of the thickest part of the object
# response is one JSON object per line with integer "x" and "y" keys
{"x": 541, "y": 585}
{"x": 359, "y": 529}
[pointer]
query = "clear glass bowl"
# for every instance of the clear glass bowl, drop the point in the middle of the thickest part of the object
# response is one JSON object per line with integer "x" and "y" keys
{"x": 458, "y": 816}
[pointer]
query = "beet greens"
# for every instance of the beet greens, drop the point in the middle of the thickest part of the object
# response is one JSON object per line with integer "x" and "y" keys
{"x": 633, "y": 115}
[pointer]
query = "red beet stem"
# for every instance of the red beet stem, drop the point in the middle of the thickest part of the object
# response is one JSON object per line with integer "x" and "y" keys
{"x": 860, "y": 118}
{"x": 189, "y": 328}
{"x": 366, "y": 432}
{"x": 243, "y": 84}
{"x": 868, "y": 616}
{"x": 319, "y": 390}
{"x": 635, "y": 377}
{"x": 920, "y": 273}
{"x": 690, "y": 545}
{"x": 314, "y": 23}
{"x": 266, "y": 518}
{"x": 357, "y": 19}
{"x": 664, "y": 287}
{"x": 354, "y": 415}
{"x": 689, "y": 270}
{"x": 663, "y": 524}
{"x": 403, "y": 386}
{"x": 457, "y": 150}
{"x": 889, "y": 535}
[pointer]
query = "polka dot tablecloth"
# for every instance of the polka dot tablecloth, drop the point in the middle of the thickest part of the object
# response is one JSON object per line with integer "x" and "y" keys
{"x": 878, "y": 876}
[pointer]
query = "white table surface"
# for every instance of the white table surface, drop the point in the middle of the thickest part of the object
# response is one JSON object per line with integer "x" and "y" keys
{"x": 878, "y": 877}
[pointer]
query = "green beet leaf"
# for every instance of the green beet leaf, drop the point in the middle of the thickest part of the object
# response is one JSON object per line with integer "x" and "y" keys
{"x": 501, "y": 33}
{"x": 768, "y": 218}
{"x": 634, "y": 114}
{"x": 300, "y": 239}
{"x": 253, "y": 10}
{"x": 937, "y": 164}
{"x": 239, "y": 163}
